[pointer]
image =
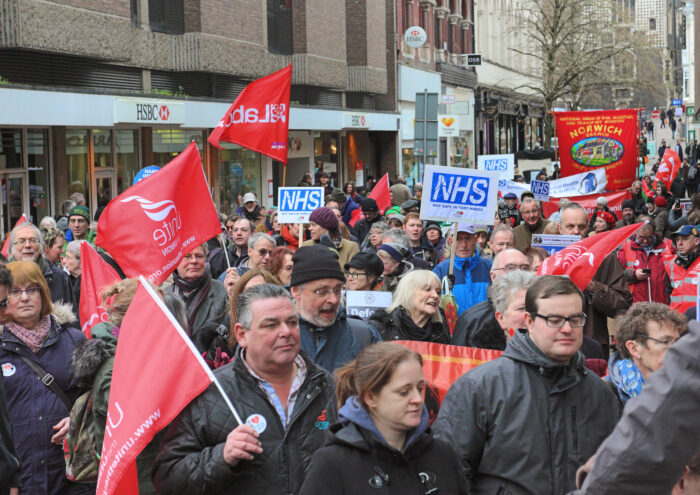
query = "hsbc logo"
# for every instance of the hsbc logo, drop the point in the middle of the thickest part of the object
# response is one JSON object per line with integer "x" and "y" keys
{"x": 149, "y": 112}
{"x": 271, "y": 113}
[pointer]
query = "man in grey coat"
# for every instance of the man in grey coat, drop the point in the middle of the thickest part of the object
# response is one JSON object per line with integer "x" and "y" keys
{"x": 523, "y": 423}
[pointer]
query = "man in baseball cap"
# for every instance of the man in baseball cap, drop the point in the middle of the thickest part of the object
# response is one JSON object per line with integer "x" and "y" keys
{"x": 250, "y": 209}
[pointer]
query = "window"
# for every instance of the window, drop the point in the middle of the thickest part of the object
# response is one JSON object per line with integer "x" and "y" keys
{"x": 239, "y": 173}
{"x": 652, "y": 24}
{"x": 166, "y": 16}
{"x": 279, "y": 27}
{"x": 168, "y": 143}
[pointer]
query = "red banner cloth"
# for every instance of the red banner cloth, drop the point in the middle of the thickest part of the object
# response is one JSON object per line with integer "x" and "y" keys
{"x": 149, "y": 227}
{"x": 148, "y": 388}
{"x": 381, "y": 194}
{"x": 581, "y": 260}
{"x": 6, "y": 247}
{"x": 606, "y": 138}
{"x": 259, "y": 118}
{"x": 95, "y": 275}
{"x": 588, "y": 202}
{"x": 668, "y": 168}
{"x": 443, "y": 364}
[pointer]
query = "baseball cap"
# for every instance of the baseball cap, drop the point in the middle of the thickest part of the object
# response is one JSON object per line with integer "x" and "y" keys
{"x": 687, "y": 230}
{"x": 249, "y": 197}
{"x": 464, "y": 227}
{"x": 510, "y": 195}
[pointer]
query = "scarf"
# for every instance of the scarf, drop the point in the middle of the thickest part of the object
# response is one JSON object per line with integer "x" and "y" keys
{"x": 193, "y": 294}
{"x": 33, "y": 338}
{"x": 631, "y": 379}
{"x": 431, "y": 332}
{"x": 292, "y": 242}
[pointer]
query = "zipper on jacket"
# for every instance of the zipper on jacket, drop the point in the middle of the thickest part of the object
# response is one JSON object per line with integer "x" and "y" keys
{"x": 309, "y": 396}
{"x": 574, "y": 430}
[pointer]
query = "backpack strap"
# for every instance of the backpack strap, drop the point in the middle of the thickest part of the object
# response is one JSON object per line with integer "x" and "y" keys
{"x": 360, "y": 330}
{"x": 48, "y": 380}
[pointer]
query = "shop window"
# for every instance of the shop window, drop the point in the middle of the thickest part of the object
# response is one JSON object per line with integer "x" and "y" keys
{"x": 326, "y": 157}
{"x": 102, "y": 143}
{"x": 127, "y": 156}
{"x": 239, "y": 173}
{"x": 10, "y": 148}
{"x": 77, "y": 163}
{"x": 652, "y": 24}
{"x": 168, "y": 143}
{"x": 279, "y": 27}
{"x": 38, "y": 161}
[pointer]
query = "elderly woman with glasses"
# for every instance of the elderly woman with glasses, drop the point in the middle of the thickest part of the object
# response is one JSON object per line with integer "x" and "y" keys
{"x": 38, "y": 341}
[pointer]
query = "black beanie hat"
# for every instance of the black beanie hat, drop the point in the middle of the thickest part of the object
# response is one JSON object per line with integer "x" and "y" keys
{"x": 366, "y": 261}
{"x": 369, "y": 205}
{"x": 313, "y": 263}
{"x": 628, "y": 203}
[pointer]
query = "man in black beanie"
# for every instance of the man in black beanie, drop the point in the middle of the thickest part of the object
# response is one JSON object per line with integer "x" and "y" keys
{"x": 370, "y": 210}
{"x": 328, "y": 336}
{"x": 628, "y": 214}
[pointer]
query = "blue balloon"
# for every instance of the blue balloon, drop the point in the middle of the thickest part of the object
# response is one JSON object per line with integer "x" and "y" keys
{"x": 145, "y": 172}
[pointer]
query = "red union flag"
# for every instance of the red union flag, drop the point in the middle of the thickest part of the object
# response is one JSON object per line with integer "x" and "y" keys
{"x": 381, "y": 194}
{"x": 149, "y": 227}
{"x": 600, "y": 139}
{"x": 147, "y": 390}
{"x": 581, "y": 260}
{"x": 668, "y": 168}
{"x": 96, "y": 274}
{"x": 6, "y": 247}
{"x": 588, "y": 202}
{"x": 259, "y": 117}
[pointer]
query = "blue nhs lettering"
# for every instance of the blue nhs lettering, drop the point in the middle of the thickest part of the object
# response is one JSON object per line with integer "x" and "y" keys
{"x": 300, "y": 199}
{"x": 460, "y": 189}
{"x": 496, "y": 164}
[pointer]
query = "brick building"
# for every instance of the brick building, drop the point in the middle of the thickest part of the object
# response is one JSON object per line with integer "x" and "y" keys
{"x": 78, "y": 74}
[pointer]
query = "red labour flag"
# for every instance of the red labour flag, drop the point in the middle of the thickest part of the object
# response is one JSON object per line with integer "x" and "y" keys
{"x": 581, "y": 260}
{"x": 381, "y": 194}
{"x": 148, "y": 389}
{"x": 6, "y": 247}
{"x": 149, "y": 227}
{"x": 668, "y": 168}
{"x": 259, "y": 117}
{"x": 95, "y": 275}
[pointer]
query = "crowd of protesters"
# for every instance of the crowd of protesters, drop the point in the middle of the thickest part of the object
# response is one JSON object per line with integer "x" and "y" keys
{"x": 343, "y": 406}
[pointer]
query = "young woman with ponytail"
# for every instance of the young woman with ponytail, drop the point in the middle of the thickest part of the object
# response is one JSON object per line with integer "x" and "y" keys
{"x": 383, "y": 439}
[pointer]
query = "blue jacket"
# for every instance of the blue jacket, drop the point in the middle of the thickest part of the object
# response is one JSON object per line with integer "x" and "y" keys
{"x": 334, "y": 346}
{"x": 471, "y": 281}
{"x": 34, "y": 408}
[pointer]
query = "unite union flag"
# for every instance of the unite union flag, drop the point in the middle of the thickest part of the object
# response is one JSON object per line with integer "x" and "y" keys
{"x": 95, "y": 275}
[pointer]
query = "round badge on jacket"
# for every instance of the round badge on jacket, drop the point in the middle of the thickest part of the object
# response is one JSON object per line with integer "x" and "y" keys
{"x": 257, "y": 422}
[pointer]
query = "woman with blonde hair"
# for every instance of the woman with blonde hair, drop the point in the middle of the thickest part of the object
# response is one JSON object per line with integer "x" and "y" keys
{"x": 415, "y": 312}
{"x": 383, "y": 439}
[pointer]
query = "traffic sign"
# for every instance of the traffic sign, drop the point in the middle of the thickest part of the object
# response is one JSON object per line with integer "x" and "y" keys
{"x": 677, "y": 102}
{"x": 655, "y": 114}
{"x": 690, "y": 111}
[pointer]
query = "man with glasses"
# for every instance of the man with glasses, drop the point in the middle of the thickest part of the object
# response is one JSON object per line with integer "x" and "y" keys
{"x": 260, "y": 247}
{"x": 27, "y": 244}
{"x": 683, "y": 269}
{"x": 532, "y": 223}
{"x": 206, "y": 300}
{"x": 523, "y": 423}
{"x": 643, "y": 336}
{"x": 642, "y": 255}
{"x": 328, "y": 336}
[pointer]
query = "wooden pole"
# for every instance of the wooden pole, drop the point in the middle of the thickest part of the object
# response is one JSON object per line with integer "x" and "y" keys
{"x": 301, "y": 233}
{"x": 452, "y": 248}
{"x": 284, "y": 175}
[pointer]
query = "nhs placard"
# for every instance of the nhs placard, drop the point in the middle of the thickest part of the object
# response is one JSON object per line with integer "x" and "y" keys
{"x": 540, "y": 189}
{"x": 295, "y": 204}
{"x": 503, "y": 164}
{"x": 459, "y": 195}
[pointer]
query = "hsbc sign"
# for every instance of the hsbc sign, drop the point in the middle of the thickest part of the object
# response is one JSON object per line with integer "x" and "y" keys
{"x": 356, "y": 121}
{"x": 142, "y": 111}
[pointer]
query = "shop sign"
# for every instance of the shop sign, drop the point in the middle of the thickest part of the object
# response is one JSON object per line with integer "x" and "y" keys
{"x": 297, "y": 203}
{"x": 448, "y": 125}
{"x": 356, "y": 121}
{"x": 448, "y": 99}
{"x": 143, "y": 111}
{"x": 415, "y": 36}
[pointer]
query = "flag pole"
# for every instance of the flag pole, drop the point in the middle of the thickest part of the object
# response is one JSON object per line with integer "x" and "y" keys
{"x": 301, "y": 233}
{"x": 452, "y": 248}
{"x": 284, "y": 175}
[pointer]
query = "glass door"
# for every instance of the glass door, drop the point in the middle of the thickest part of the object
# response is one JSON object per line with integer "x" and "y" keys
{"x": 15, "y": 199}
{"x": 105, "y": 188}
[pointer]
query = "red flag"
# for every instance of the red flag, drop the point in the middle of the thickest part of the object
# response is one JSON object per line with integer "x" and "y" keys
{"x": 259, "y": 118}
{"x": 381, "y": 194}
{"x": 581, "y": 260}
{"x": 148, "y": 390}
{"x": 588, "y": 202}
{"x": 443, "y": 364}
{"x": 95, "y": 275}
{"x": 6, "y": 247}
{"x": 668, "y": 168}
{"x": 149, "y": 227}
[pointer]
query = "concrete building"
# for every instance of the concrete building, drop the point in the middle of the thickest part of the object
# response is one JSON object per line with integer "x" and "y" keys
{"x": 78, "y": 77}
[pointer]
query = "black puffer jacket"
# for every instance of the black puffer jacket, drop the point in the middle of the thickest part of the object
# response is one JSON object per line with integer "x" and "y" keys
{"x": 191, "y": 459}
{"x": 523, "y": 423}
{"x": 479, "y": 328}
{"x": 356, "y": 460}
{"x": 398, "y": 325}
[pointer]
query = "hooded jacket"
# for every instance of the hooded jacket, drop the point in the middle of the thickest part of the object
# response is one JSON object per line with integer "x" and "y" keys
{"x": 191, "y": 459}
{"x": 523, "y": 423}
{"x": 471, "y": 280}
{"x": 425, "y": 252}
{"x": 357, "y": 459}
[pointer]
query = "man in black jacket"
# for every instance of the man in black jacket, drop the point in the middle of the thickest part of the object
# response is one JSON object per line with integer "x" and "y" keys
{"x": 285, "y": 401}
{"x": 370, "y": 210}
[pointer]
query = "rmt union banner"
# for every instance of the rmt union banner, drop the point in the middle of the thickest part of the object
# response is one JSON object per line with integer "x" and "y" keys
{"x": 601, "y": 139}
{"x": 459, "y": 195}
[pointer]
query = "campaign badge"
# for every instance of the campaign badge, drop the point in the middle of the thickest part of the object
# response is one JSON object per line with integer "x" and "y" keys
{"x": 257, "y": 422}
{"x": 8, "y": 369}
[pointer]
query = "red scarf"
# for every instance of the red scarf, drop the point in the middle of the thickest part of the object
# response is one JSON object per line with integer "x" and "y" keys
{"x": 292, "y": 242}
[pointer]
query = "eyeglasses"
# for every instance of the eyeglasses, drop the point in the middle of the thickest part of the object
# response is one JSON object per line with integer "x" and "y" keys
{"x": 511, "y": 268}
{"x": 30, "y": 291}
{"x": 664, "y": 342}
{"x": 356, "y": 275}
{"x": 327, "y": 292}
{"x": 558, "y": 321}
{"x": 645, "y": 237}
{"x": 22, "y": 242}
{"x": 264, "y": 252}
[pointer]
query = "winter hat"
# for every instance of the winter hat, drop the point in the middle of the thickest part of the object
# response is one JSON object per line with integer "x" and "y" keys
{"x": 510, "y": 195}
{"x": 607, "y": 216}
{"x": 650, "y": 199}
{"x": 369, "y": 205}
{"x": 338, "y": 196}
{"x": 313, "y": 263}
{"x": 660, "y": 201}
{"x": 324, "y": 217}
{"x": 366, "y": 261}
{"x": 601, "y": 200}
{"x": 396, "y": 251}
{"x": 432, "y": 224}
{"x": 81, "y": 211}
{"x": 628, "y": 203}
